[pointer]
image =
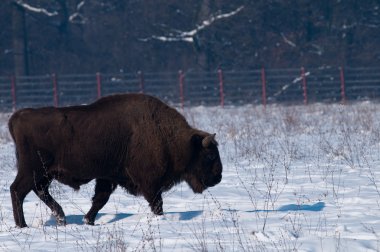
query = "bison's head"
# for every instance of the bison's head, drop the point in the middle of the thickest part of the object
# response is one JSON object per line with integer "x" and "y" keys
{"x": 205, "y": 169}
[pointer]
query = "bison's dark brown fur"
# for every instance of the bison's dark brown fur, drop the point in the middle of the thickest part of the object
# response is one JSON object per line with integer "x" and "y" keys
{"x": 132, "y": 140}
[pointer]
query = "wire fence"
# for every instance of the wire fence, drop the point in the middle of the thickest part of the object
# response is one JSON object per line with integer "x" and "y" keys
{"x": 218, "y": 88}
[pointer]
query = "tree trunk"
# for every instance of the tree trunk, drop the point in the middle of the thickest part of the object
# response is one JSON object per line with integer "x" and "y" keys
{"x": 20, "y": 41}
{"x": 201, "y": 46}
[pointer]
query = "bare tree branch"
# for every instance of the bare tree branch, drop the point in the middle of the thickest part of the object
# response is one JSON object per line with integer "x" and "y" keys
{"x": 287, "y": 41}
{"x": 77, "y": 17}
{"x": 35, "y": 9}
{"x": 188, "y": 36}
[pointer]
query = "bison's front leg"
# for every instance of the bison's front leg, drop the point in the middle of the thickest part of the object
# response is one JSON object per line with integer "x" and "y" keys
{"x": 155, "y": 202}
{"x": 103, "y": 190}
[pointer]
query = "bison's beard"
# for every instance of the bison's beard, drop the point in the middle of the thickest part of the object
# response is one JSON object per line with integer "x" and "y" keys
{"x": 196, "y": 185}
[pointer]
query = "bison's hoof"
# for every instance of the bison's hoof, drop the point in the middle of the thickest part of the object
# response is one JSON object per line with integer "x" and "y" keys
{"x": 158, "y": 211}
{"x": 61, "y": 221}
{"x": 60, "y": 217}
{"x": 88, "y": 222}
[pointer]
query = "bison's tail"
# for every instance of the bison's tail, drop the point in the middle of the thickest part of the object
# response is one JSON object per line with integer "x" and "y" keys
{"x": 11, "y": 123}
{"x": 11, "y": 126}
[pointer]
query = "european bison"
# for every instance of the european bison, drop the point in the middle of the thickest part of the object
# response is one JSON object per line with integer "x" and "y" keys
{"x": 131, "y": 140}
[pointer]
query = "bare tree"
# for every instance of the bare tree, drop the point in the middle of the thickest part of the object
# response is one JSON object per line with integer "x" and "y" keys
{"x": 20, "y": 41}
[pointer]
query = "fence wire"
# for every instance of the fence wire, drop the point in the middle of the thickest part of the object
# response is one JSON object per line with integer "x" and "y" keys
{"x": 217, "y": 88}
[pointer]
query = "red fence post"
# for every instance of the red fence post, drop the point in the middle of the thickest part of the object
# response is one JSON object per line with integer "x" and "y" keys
{"x": 55, "y": 89}
{"x": 264, "y": 88}
{"x": 181, "y": 77}
{"x": 141, "y": 81}
{"x": 303, "y": 76}
{"x": 342, "y": 86}
{"x": 221, "y": 87}
{"x": 99, "y": 84}
{"x": 13, "y": 92}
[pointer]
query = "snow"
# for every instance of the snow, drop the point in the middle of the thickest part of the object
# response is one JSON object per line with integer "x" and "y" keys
{"x": 295, "y": 178}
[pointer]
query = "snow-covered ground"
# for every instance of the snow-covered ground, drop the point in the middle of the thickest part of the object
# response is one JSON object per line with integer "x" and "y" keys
{"x": 295, "y": 178}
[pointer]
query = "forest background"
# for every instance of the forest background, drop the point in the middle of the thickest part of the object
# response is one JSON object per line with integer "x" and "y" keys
{"x": 81, "y": 36}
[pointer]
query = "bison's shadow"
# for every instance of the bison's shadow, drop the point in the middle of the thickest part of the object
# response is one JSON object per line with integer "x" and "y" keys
{"x": 78, "y": 219}
{"x": 317, "y": 207}
{"x": 188, "y": 215}
{"x": 184, "y": 216}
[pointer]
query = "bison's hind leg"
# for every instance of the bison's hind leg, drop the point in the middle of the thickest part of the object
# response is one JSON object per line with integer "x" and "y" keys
{"x": 103, "y": 191}
{"x": 20, "y": 187}
{"x": 41, "y": 188}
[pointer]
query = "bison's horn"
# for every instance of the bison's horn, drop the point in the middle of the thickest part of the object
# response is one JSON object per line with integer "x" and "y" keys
{"x": 207, "y": 140}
